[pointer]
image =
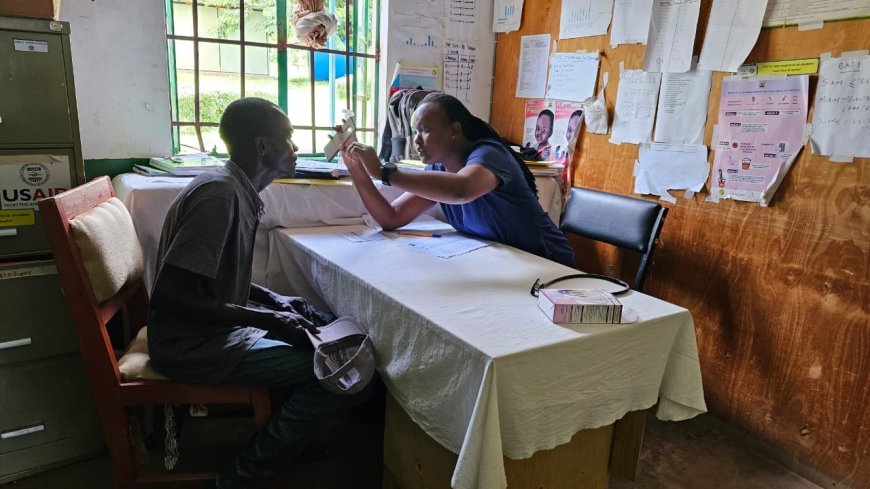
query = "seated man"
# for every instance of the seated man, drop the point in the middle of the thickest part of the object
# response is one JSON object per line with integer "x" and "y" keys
{"x": 208, "y": 323}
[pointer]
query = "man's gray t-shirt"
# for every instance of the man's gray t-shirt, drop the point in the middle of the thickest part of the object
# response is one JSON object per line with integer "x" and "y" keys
{"x": 209, "y": 230}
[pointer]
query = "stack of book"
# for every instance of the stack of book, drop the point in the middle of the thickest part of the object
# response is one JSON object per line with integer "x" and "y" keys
{"x": 544, "y": 168}
{"x": 306, "y": 168}
{"x": 188, "y": 165}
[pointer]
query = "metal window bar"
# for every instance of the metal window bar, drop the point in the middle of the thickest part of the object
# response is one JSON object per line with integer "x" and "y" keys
{"x": 196, "y": 111}
{"x": 242, "y": 45}
{"x": 313, "y": 96}
{"x": 173, "y": 73}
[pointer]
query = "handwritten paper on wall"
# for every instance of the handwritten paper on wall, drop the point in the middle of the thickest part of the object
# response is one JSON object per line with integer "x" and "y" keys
{"x": 671, "y": 36}
{"x": 635, "y": 106}
{"x": 532, "y": 72}
{"x": 630, "y": 22}
{"x": 731, "y": 32}
{"x": 461, "y": 19}
{"x": 663, "y": 167}
{"x": 761, "y": 131}
{"x": 507, "y": 15}
{"x": 583, "y": 18}
{"x": 841, "y": 117}
{"x": 459, "y": 69}
{"x": 572, "y": 76}
{"x": 682, "y": 110}
{"x": 782, "y": 12}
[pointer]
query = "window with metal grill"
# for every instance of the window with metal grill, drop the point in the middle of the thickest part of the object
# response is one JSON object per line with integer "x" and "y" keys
{"x": 221, "y": 50}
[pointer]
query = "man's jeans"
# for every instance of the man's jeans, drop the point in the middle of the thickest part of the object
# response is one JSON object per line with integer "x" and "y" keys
{"x": 277, "y": 364}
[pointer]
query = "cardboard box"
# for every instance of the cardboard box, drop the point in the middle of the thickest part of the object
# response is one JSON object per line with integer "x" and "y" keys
{"x": 579, "y": 306}
{"x": 34, "y": 9}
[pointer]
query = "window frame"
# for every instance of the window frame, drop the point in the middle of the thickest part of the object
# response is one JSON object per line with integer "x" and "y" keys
{"x": 281, "y": 45}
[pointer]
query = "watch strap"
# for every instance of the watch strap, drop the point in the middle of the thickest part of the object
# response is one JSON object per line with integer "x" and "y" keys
{"x": 386, "y": 172}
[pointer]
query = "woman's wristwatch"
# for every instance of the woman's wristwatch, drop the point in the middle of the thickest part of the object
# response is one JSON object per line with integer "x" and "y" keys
{"x": 386, "y": 171}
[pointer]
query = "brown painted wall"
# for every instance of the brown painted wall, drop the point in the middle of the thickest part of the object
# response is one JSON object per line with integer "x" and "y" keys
{"x": 780, "y": 295}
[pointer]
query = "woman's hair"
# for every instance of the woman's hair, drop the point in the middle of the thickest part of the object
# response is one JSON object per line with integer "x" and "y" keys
{"x": 577, "y": 113}
{"x": 475, "y": 128}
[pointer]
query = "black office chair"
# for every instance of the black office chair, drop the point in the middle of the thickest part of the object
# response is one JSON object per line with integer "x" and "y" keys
{"x": 624, "y": 222}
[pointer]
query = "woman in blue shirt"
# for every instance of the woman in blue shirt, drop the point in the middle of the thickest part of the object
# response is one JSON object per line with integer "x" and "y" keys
{"x": 484, "y": 188}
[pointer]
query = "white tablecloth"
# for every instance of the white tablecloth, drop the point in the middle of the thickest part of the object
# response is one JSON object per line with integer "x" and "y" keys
{"x": 286, "y": 205}
{"x": 464, "y": 349}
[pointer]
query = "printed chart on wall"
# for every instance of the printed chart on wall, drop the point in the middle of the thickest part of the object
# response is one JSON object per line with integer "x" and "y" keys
{"x": 761, "y": 131}
{"x": 420, "y": 39}
{"x": 507, "y": 15}
{"x": 454, "y": 35}
{"x": 583, "y": 18}
{"x": 790, "y": 12}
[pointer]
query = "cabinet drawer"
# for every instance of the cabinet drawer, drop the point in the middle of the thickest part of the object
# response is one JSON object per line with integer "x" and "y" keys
{"x": 44, "y": 401}
{"x": 22, "y": 463}
{"x": 34, "y": 71}
{"x": 34, "y": 321}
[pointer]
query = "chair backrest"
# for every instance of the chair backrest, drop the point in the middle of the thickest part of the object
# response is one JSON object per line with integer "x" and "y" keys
{"x": 626, "y": 222}
{"x": 89, "y": 316}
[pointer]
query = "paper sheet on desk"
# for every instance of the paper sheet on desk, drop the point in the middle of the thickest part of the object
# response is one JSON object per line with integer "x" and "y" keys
{"x": 447, "y": 246}
{"x": 368, "y": 235}
{"x": 428, "y": 225}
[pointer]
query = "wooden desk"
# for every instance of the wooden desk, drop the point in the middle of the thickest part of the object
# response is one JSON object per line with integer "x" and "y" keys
{"x": 471, "y": 361}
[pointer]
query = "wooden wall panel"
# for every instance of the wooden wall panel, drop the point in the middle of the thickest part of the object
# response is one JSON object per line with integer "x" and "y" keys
{"x": 780, "y": 295}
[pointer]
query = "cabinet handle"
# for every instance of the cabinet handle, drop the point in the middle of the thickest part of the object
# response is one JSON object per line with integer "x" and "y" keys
{"x": 15, "y": 343}
{"x": 22, "y": 431}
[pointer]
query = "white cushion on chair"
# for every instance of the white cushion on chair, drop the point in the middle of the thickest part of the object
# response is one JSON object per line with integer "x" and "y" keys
{"x": 135, "y": 363}
{"x": 109, "y": 247}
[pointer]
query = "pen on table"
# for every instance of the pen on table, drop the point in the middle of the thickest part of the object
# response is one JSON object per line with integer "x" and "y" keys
{"x": 424, "y": 234}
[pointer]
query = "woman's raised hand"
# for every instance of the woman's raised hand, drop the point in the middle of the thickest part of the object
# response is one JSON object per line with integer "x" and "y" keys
{"x": 364, "y": 155}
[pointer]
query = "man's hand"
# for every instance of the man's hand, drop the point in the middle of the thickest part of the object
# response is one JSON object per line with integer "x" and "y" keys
{"x": 301, "y": 306}
{"x": 289, "y": 327}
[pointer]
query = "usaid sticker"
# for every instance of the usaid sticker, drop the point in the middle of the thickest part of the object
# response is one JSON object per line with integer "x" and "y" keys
{"x": 24, "y": 179}
{"x": 30, "y": 46}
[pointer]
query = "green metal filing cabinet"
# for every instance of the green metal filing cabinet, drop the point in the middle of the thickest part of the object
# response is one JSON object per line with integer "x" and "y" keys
{"x": 47, "y": 416}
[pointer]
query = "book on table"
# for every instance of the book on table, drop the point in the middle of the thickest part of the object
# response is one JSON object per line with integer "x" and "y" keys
{"x": 187, "y": 165}
{"x": 306, "y": 168}
{"x": 150, "y": 171}
{"x": 579, "y": 306}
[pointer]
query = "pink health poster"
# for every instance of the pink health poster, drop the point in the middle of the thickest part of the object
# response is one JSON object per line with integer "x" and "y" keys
{"x": 761, "y": 132}
{"x": 549, "y": 125}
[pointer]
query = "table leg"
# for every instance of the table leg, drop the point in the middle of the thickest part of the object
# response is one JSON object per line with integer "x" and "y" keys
{"x": 413, "y": 460}
{"x": 627, "y": 439}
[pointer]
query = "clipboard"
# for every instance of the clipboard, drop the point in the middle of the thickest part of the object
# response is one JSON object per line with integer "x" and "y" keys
{"x": 348, "y": 131}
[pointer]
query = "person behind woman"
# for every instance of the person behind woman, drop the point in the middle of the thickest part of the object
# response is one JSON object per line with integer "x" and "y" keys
{"x": 484, "y": 188}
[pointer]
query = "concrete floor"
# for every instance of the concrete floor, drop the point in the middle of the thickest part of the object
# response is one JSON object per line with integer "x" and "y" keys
{"x": 697, "y": 454}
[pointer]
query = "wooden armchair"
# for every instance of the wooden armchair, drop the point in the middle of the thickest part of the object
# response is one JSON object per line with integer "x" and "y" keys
{"x": 112, "y": 393}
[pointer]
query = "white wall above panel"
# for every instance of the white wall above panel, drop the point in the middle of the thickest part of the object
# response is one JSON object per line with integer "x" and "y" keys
{"x": 121, "y": 76}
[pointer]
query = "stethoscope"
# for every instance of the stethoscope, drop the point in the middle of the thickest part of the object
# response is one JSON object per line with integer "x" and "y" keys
{"x": 538, "y": 285}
